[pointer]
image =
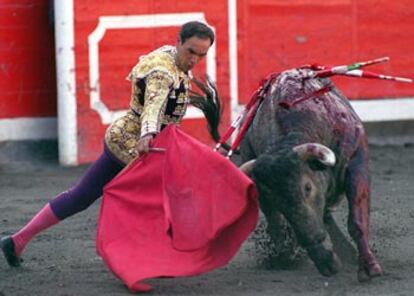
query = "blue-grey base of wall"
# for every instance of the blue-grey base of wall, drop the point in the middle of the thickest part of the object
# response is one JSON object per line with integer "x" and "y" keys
{"x": 40, "y": 152}
{"x": 390, "y": 132}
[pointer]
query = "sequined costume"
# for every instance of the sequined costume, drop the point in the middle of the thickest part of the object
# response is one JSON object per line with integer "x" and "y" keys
{"x": 159, "y": 96}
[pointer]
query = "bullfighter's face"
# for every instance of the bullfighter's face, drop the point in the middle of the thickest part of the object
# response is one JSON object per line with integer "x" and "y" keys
{"x": 191, "y": 51}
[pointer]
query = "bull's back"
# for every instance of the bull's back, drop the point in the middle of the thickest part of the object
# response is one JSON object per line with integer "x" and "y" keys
{"x": 289, "y": 106}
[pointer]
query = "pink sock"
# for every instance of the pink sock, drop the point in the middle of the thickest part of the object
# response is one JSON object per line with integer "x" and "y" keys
{"x": 43, "y": 220}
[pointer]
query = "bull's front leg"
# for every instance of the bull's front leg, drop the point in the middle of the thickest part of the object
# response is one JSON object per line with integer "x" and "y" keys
{"x": 341, "y": 245}
{"x": 283, "y": 240}
{"x": 358, "y": 195}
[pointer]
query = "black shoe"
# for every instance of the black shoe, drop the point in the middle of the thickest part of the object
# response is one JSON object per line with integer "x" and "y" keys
{"x": 9, "y": 252}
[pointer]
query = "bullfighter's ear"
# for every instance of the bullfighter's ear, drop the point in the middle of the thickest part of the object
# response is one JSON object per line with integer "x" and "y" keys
{"x": 316, "y": 151}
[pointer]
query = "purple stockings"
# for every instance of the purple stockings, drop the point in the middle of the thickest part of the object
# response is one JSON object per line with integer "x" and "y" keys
{"x": 89, "y": 188}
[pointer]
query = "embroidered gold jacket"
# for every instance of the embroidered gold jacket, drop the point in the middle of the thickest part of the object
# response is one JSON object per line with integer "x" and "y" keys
{"x": 159, "y": 96}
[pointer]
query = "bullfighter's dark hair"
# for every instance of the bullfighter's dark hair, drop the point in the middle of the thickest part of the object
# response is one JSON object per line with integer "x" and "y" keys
{"x": 197, "y": 29}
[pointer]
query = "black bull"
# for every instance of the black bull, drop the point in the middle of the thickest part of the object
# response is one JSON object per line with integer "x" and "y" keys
{"x": 304, "y": 156}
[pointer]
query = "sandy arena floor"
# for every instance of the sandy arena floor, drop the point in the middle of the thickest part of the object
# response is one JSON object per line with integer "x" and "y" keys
{"x": 62, "y": 261}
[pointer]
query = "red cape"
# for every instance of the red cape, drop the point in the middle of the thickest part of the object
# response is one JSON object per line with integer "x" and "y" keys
{"x": 179, "y": 213}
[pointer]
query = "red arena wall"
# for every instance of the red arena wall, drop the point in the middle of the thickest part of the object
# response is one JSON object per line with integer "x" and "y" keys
{"x": 254, "y": 38}
{"x": 276, "y": 35}
{"x": 27, "y": 60}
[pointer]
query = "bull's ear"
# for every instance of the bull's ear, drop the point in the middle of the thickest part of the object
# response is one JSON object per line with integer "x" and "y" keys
{"x": 315, "y": 152}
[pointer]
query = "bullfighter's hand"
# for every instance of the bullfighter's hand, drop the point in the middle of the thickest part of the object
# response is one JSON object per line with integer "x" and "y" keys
{"x": 144, "y": 144}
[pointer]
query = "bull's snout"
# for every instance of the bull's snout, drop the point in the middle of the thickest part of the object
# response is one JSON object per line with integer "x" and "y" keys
{"x": 325, "y": 259}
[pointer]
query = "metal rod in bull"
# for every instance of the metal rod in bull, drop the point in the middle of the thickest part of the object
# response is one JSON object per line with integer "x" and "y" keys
{"x": 330, "y": 71}
{"x": 237, "y": 122}
{"x": 317, "y": 67}
{"x": 243, "y": 129}
{"x": 373, "y": 75}
{"x": 257, "y": 96}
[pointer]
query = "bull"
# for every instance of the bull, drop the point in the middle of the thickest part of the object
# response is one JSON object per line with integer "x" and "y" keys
{"x": 305, "y": 155}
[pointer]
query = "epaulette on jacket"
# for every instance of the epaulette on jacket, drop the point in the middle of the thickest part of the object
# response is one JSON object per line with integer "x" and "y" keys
{"x": 157, "y": 60}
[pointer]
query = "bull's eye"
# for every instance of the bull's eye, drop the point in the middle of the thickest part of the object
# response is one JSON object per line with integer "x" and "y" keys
{"x": 308, "y": 189}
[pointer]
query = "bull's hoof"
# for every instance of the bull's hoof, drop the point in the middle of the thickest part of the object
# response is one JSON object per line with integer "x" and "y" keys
{"x": 369, "y": 270}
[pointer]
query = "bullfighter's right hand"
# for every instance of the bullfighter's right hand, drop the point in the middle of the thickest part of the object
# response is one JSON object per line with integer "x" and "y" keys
{"x": 144, "y": 144}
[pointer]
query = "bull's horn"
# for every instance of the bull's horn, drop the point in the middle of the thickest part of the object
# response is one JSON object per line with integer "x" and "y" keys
{"x": 316, "y": 151}
{"x": 247, "y": 167}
